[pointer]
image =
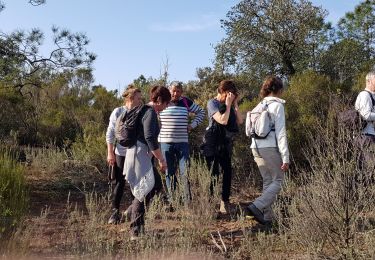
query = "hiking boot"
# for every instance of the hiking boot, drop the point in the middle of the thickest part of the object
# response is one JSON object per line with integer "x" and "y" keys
{"x": 115, "y": 217}
{"x": 252, "y": 210}
{"x": 268, "y": 225}
{"x": 224, "y": 207}
{"x": 247, "y": 214}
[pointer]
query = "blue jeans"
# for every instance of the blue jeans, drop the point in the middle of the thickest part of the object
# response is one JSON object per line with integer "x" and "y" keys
{"x": 176, "y": 153}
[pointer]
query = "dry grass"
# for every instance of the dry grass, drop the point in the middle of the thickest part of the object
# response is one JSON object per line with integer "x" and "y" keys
{"x": 13, "y": 193}
{"x": 318, "y": 214}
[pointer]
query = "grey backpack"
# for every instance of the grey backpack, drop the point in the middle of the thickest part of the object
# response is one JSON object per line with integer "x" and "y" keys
{"x": 258, "y": 121}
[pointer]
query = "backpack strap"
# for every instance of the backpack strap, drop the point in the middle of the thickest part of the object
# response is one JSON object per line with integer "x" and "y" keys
{"x": 184, "y": 100}
{"x": 272, "y": 129}
{"x": 372, "y": 98}
{"x": 267, "y": 104}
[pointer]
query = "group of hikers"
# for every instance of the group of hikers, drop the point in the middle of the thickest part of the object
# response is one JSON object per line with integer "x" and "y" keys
{"x": 140, "y": 136}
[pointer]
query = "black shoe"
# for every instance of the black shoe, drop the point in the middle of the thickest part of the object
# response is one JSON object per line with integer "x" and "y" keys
{"x": 115, "y": 217}
{"x": 256, "y": 213}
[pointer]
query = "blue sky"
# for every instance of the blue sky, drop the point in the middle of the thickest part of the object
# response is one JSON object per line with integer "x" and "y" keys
{"x": 137, "y": 37}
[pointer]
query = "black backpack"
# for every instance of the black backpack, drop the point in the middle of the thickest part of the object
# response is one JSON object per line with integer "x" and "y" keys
{"x": 352, "y": 118}
{"x": 127, "y": 124}
{"x": 213, "y": 140}
{"x": 219, "y": 138}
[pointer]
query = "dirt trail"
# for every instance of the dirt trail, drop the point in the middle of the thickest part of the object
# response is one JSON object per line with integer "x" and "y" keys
{"x": 49, "y": 194}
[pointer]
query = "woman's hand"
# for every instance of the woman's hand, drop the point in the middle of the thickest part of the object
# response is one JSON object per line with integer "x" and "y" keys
{"x": 163, "y": 165}
{"x": 111, "y": 158}
{"x": 285, "y": 167}
{"x": 229, "y": 99}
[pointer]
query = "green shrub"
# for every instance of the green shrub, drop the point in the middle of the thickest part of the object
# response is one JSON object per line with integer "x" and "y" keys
{"x": 91, "y": 147}
{"x": 48, "y": 159}
{"x": 13, "y": 192}
{"x": 307, "y": 102}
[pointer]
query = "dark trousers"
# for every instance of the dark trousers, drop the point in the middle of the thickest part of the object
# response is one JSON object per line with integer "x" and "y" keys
{"x": 137, "y": 219}
{"x": 119, "y": 186}
{"x": 366, "y": 143}
{"x": 224, "y": 159}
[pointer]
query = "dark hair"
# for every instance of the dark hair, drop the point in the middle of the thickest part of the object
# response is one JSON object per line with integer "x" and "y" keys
{"x": 271, "y": 84}
{"x": 227, "y": 86}
{"x": 160, "y": 93}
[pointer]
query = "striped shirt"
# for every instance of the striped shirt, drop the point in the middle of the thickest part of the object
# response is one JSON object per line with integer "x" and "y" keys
{"x": 175, "y": 119}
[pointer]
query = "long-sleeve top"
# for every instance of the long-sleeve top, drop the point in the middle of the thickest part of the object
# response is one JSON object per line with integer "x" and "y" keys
{"x": 277, "y": 138}
{"x": 175, "y": 119}
{"x": 148, "y": 130}
{"x": 138, "y": 168}
{"x": 363, "y": 105}
{"x": 110, "y": 134}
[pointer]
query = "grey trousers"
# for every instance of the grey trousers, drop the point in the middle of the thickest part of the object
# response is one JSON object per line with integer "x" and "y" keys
{"x": 269, "y": 163}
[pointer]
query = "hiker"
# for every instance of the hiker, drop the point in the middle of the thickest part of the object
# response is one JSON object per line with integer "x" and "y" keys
{"x": 173, "y": 137}
{"x": 138, "y": 167}
{"x": 270, "y": 152}
{"x": 365, "y": 105}
{"x": 224, "y": 118}
{"x": 116, "y": 153}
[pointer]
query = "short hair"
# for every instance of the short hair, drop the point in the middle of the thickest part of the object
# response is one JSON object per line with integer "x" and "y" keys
{"x": 370, "y": 75}
{"x": 227, "y": 86}
{"x": 160, "y": 93}
{"x": 130, "y": 92}
{"x": 271, "y": 84}
{"x": 177, "y": 84}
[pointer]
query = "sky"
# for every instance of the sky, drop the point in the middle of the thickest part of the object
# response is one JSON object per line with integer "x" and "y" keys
{"x": 137, "y": 37}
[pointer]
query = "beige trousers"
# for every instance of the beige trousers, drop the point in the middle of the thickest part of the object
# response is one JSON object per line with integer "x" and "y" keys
{"x": 269, "y": 163}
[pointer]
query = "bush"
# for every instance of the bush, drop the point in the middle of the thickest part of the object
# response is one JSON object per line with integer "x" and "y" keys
{"x": 307, "y": 101}
{"x": 49, "y": 159}
{"x": 13, "y": 192}
{"x": 91, "y": 147}
{"x": 332, "y": 213}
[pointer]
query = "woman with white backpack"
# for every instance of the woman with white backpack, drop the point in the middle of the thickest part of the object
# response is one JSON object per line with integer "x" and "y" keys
{"x": 265, "y": 124}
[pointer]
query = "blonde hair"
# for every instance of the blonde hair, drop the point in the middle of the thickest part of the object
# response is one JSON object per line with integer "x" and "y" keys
{"x": 370, "y": 75}
{"x": 130, "y": 92}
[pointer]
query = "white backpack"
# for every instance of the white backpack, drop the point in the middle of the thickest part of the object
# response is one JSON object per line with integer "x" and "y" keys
{"x": 258, "y": 121}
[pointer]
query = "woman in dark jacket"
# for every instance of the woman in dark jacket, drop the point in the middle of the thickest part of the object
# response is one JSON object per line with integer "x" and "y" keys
{"x": 224, "y": 118}
{"x": 138, "y": 167}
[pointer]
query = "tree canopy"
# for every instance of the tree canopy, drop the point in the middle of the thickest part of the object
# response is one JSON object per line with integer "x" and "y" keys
{"x": 270, "y": 36}
{"x": 22, "y": 64}
{"x": 359, "y": 25}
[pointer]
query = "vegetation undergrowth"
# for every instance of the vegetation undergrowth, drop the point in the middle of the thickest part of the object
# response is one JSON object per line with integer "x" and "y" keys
{"x": 13, "y": 192}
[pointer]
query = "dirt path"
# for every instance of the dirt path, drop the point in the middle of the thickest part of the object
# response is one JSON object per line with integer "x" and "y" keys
{"x": 50, "y": 193}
